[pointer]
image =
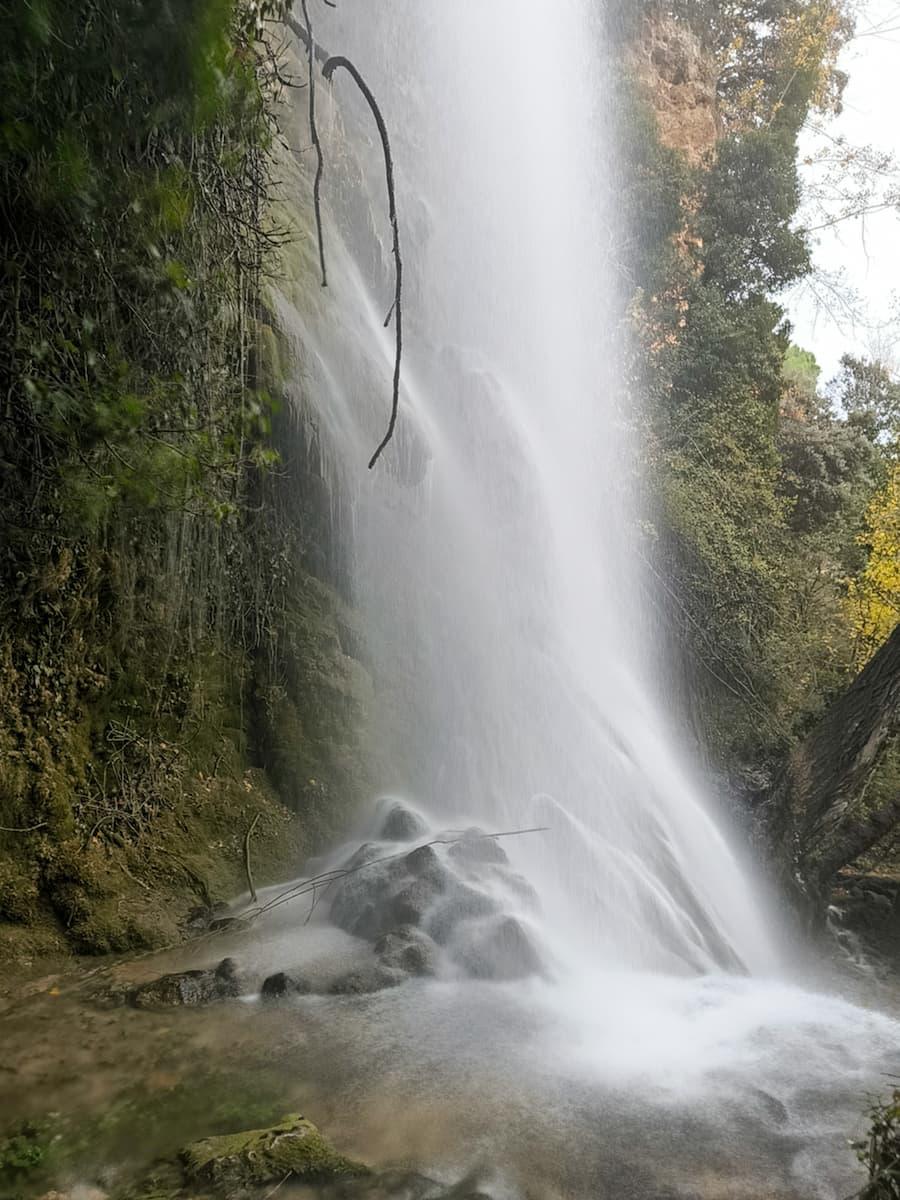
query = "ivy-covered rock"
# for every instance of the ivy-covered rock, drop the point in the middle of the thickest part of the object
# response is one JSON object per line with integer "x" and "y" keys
{"x": 293, "y": 1147}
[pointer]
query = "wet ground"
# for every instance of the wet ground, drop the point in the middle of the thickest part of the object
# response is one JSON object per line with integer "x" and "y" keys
{"x": 630, "y": 1087}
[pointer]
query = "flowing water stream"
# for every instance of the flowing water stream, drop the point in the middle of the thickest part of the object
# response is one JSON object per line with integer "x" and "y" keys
{"x": 665, "y": 1049}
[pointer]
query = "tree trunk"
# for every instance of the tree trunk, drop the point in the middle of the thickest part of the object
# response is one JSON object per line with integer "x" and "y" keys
{"x": 819, "y": 820}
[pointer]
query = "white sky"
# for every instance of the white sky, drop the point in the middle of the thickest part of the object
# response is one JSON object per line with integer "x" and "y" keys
{"x": 866, "y": 251}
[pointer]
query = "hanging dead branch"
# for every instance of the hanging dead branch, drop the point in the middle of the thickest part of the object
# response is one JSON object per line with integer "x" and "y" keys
{"x": 333, "y": 64}
{"x": 314, "y": 138}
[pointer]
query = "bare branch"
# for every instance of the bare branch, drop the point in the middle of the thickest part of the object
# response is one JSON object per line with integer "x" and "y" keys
{"x": 333, "y": 64}
{"x": 314, "y": 136}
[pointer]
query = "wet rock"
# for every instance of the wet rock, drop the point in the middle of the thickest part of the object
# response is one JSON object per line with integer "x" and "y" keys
{"x": 476, "y": 849}
{"x": 774, "y": 1109}
{"x": 433, "y": 890}
{"x": 425, "y": 862}
{"x": 365, "y": 854}
{"x": 878, "y": 901}
{"x": 522, "y": 889}
{"x": 292, "y": 1148}
{"x": 500, "y": 951}
{"x": 461, "y": 903}
{"x": 189, "y": 988}
{"x": 360, "y": 904}
{"x": 410, "y": 905}
{"x": 409, "y": 950}
{"x": 279, "y": 985}
{"x": 402, "y": 825}
{"x": 203, "y": 915}
{"x": 368, "y": 979}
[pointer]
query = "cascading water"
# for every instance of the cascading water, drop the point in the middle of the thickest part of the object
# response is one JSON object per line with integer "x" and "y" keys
{"x": 502, "y": 585}
{"x": 491, "y": 553}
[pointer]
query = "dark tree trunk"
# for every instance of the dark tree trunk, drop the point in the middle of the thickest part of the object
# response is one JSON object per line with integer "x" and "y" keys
{"x": 819, "y": 818}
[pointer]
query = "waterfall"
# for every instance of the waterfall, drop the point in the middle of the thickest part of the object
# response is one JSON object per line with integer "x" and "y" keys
{"x": 493, "y": 551}
{"x": 514, "y": 639}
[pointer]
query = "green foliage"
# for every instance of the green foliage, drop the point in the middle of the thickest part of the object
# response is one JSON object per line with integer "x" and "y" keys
{"x": 867, "y": 391}
{"x": 801, "y": 375}
{"x": 763, "y": 484}
{"x": 135, "y": 147}
{"x": 751, "y": 195}
{"x": 654, "y": 185}
{"x": 879, "y": 1153}
{"x": 24, "y": 1151}
{"x": 132, "y": 175}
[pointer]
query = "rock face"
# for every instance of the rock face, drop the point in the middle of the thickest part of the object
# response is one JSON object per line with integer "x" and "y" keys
{"x": 292, "y": 1148}
{"x": 189, "y": 988}
{"x": 679, "y": 82}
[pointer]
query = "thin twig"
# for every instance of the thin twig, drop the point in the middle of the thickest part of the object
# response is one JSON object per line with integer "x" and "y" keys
{"x": 327, "y": 878}
{"x": 23, "y": 828}
{"x": 268, "y": 1195}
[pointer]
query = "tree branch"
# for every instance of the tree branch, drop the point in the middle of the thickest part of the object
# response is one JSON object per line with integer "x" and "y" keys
{"x": 314, "y": 137}
{"x": 333, "y": 64}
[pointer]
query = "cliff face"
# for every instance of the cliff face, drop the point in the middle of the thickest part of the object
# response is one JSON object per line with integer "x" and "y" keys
{"x": 176, "y": 665}
{"x": 677, "y": 78}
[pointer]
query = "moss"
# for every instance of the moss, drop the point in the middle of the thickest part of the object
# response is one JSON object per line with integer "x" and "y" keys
{"x": 292, "y": 1147}
{"x": 23, "y": 1152}
{"x": 18, "y": 893}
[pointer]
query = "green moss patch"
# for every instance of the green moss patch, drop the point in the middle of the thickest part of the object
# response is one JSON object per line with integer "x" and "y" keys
{"x": 293, "y": 1147}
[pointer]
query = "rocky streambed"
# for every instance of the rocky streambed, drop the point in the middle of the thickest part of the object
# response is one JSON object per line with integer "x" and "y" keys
{"x": 188, "y": 1073}
{"x": 394, "y": 1024}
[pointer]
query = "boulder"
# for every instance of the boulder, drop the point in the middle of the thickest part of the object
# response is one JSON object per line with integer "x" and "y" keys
{"x": 407, "y": 905}
{"x": 475, "y": 848}
{"x": 374, "y": 977}
{"x": 292, "y": 1148}
{"x": 410, "y": 905}
{"x": 402, "y": 825}
{"x": 461, "y": 903}
{"x": 189, "y": 988}
{"x": 408, "y": 949}
{"x": 277, "y": 986}
{"x": 424, "y": 863}
{"x": 360, "y": 902}
{"x": 500, "y": 950}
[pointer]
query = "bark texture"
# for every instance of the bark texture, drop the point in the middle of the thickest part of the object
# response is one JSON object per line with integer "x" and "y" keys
{"x": 820, "y": 818}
